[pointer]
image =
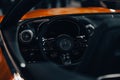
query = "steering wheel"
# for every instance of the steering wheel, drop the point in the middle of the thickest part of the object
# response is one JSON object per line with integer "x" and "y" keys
{"x": 45, "y": 70}
{"x": 64, "y": 44}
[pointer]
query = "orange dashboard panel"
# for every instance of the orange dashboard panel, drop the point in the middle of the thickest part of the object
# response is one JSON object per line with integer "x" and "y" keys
{"x": 63, "y": 11}
{"x": 1, "y": 17}
{"x": 4, "y": 69}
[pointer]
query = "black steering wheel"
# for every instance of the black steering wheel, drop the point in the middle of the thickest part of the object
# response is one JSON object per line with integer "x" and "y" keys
{"x": 64, "y": 44}
{"x": 47, "y": 70}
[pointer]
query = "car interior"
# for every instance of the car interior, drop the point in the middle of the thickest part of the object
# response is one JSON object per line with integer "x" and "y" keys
{"x": 55, "y": 40}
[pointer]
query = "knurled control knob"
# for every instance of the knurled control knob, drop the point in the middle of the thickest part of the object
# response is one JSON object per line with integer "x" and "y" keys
{"x": 26, "y": 36}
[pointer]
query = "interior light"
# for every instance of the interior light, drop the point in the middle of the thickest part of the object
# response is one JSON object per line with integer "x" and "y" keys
{"x": 23, "y": 65}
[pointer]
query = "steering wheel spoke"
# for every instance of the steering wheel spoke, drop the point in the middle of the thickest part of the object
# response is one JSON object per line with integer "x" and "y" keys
{"x": 81, "y": 41}
{"x": 47, "y": 44}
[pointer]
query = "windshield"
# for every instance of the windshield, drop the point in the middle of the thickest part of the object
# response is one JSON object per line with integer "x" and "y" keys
{"x": 113, "y": 4}
{"x": 44, "y": 4}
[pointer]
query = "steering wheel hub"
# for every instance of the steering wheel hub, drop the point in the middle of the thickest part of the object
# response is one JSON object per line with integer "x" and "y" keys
{"x": 65, "y": 42}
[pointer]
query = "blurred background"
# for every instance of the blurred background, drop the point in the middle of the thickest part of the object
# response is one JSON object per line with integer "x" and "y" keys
{"x": 44, "y": 4}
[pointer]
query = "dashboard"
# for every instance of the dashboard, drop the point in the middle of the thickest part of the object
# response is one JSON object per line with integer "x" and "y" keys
{"x": 60, "y": 39}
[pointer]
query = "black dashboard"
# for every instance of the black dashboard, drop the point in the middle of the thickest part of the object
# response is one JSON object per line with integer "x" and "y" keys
{"x": 60, "y": 39}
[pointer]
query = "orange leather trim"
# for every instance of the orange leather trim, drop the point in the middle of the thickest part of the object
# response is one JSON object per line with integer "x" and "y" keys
{"x": 1, "y": 17}
{"x": 62, "y": 11}
{"x": 118, "y": 11}
{"x": 5, "y": 73}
